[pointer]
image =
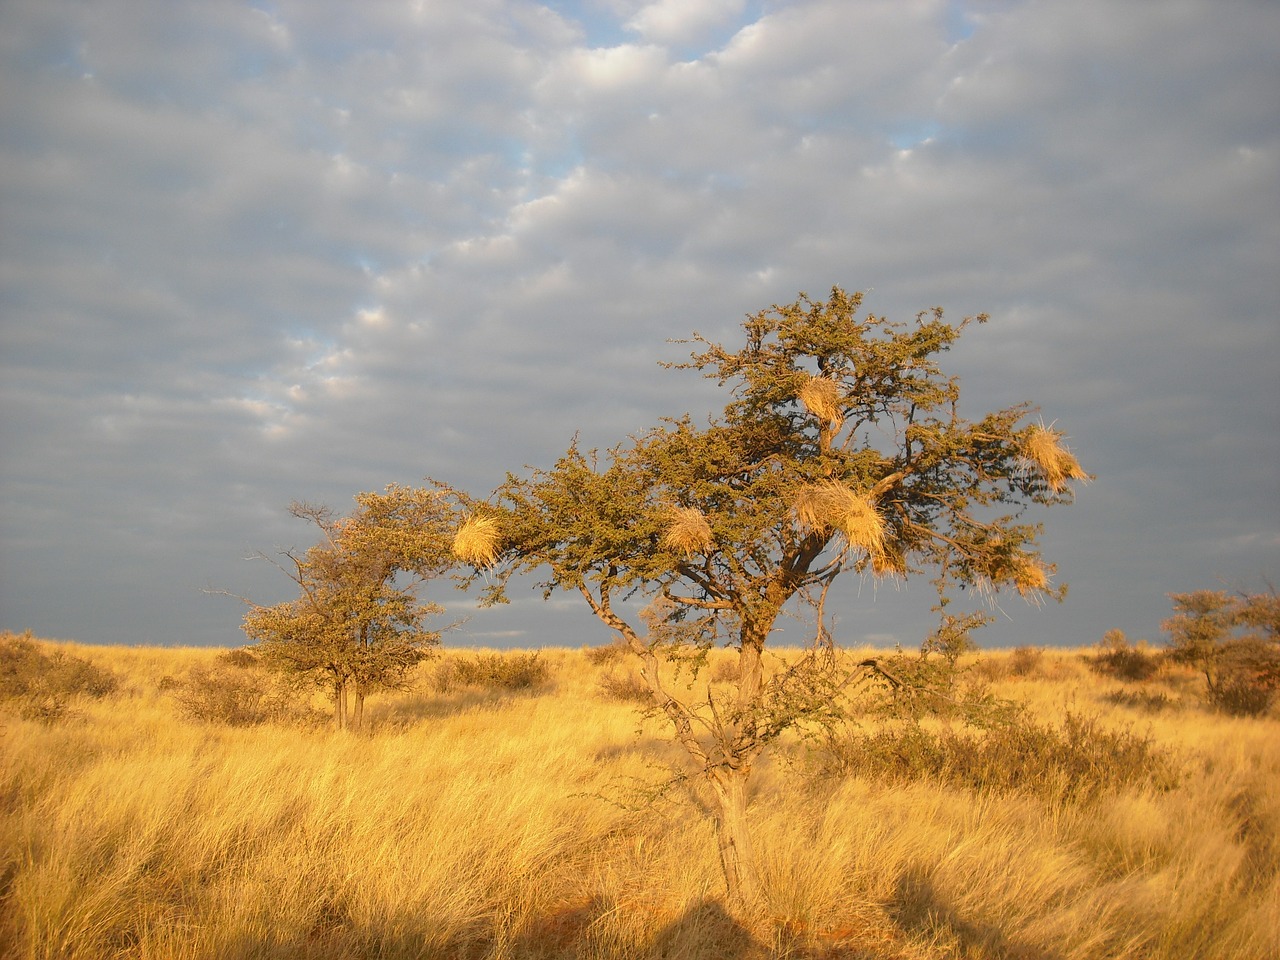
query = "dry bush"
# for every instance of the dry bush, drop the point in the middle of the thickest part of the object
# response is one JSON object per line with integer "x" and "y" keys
{"x": 233, "y": 696}
{"x": 1241, "y": 695}
{"x": 628, "y": 687}
{"x": 990, "y": 669}
{"x": 512, "y": 670}
{"x": 724, "y": 671}
{"x": 239, "y": 657}
{"x": 1116, "y": 658}
{"x": 608, "y": 653}
{"x": 1148, "y": 701}
{"x": 41, "y": 684}
{"x": 1079, "y": 760}
{"x": 1025, "y": 661}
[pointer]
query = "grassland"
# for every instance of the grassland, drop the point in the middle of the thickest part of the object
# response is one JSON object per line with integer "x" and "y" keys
{"x": 472, "y": 821}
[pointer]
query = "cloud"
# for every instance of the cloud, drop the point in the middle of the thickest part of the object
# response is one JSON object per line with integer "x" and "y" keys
{"x": 683, "y": 22}
{"x": 253, "y": 255}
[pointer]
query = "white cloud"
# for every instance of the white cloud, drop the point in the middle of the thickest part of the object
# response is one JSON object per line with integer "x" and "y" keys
{"x": 683, "y": 22}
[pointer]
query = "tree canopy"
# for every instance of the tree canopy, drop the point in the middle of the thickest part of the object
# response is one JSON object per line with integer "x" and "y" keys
{"x": 841, "y": 447}
{"x": 1233, "y": 639}
{"x": 357, "y": 624}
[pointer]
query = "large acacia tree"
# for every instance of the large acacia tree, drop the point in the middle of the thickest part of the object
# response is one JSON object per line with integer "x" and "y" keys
{"x": 358, "y": 623}
{"x": 841, "y": 447}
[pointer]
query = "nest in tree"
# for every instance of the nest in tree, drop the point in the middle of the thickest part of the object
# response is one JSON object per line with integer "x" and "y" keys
{"x": 477, "y": 541}
{"x": 688, "y": 531}
{"x": 1044, "y": 451}
{"x": 888, "y": 562}
{"x": 821, "y": 397}
{"x": 1030, "y": 576}
{"x": 831, "y": 505}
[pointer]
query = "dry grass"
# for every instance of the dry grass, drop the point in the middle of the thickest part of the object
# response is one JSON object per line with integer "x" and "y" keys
{"x": 485, "y": 823}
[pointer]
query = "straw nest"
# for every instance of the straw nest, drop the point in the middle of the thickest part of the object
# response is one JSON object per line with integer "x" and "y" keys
{"x": 832, "y": 506}
{"x": 888, "y": 562}
{"x": 1044, "y": 451}
{"x": 821, "y": 397}
{"x": 1030, "y": 576}
{"x": 477, "y": 541}
{"x": 687, "y": 531}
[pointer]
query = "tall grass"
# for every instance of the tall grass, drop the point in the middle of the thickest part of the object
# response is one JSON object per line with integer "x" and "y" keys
{"x": 492, "y": 822}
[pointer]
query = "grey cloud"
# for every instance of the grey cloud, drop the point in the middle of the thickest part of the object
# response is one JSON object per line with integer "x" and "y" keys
{"x": 325, "y": 248}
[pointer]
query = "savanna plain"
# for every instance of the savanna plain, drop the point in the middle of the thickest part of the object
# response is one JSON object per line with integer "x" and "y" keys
{"x": 507, "y": 805}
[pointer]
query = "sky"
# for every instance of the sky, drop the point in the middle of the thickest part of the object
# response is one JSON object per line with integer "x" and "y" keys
{"x": 253, "y": 253}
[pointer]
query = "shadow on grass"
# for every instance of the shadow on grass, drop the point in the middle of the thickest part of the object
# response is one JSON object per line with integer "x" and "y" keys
{"x": 920, "y": 909}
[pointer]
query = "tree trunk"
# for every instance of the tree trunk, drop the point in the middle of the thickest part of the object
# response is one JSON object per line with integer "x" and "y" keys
{"x": 340, "y": 704}
{"x": 750, "y": 673}
{"x": 358, "y": 721}
{"x": 737, "y": 858}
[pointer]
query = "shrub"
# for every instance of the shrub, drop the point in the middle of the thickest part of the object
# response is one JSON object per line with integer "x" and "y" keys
{"x": 605, "y": 654}
{"x": 1234, "y": 642}
{"x": 990, "y": 669}
{"x": 43, "y": 683}
{"x": 1116, "y": 658}
{"x": 1145, "y": 700}
{"x": 1241, "y": 695}
{"x": 1074, "y": 762}
{"x": 239, "y": 657}
{"x": 627, "y": 687}
{"x": 503, "y": 671}
{"x": 1024, "y": 661}
{"x": 725, "y": 671}
{"x": 231, "y": 696}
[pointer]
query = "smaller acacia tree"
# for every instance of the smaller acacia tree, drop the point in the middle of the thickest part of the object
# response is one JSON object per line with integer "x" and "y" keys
{"x": 842, "y": 448}
{"x": 358, "y": 624}
{"x": 1233, "y": 640}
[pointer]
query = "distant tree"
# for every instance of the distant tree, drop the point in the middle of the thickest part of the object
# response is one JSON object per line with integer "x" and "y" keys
{"x": 357, "y": 624}
{"x": 1233, "y": 640}
{"x": 841, "y": 448}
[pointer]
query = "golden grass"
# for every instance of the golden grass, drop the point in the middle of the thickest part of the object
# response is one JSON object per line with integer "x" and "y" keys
{"x": 476, "y": 824}
{"x": 687, "y": 531}
{"x": 1044, "y": 451}
{"x": 477, "y": 541}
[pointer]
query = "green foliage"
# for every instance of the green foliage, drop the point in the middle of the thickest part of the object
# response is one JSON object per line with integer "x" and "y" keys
{"x": 1233, "y": 640}
{"x": 914, "y": 686}
{"x": 42, "y": 684}
{"x": 358, "y": 624}
{"x": 953, "y": 637}
{"x": 1076, "y": 761}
